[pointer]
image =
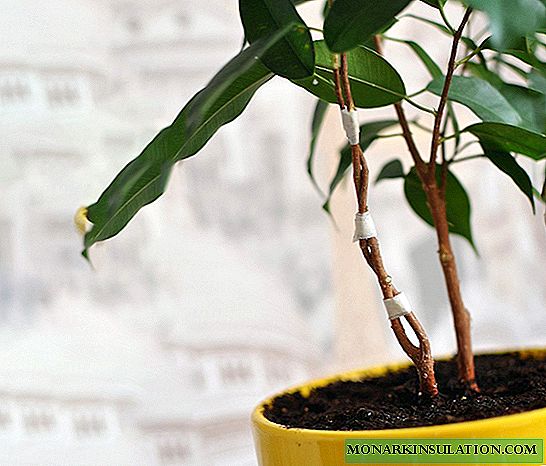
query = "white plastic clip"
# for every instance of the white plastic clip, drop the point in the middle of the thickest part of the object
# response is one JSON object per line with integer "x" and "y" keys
{"x": 351, "y": 125}
{"x": 398, "y": 306}
{"x": 364, "y": 227}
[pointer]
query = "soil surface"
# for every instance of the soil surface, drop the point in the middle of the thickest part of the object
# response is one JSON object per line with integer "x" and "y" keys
{"x": 509, "y": 384}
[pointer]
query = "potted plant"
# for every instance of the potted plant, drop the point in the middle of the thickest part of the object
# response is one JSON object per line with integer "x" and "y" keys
{"x": 506, "y": 396}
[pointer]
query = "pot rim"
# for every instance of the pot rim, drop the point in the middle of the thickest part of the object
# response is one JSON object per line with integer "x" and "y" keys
{"x": 437, "y": 430}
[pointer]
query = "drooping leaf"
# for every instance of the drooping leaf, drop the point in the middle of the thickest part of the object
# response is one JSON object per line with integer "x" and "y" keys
{"x": 480, "y": 97}
{"x": 511, "y": 20}
{"x": 352, "y": 22}
{"x": 390, "y": 170}
{"x": 457, "y": 203}
{"x": 293, "y": 56}
{"x": 374, "y": 82}
{"x": 368, "y": 134}
{"x": 508, "y": 138}
{"x": 427, "y": 60}
{"x": 144, "y": 179}
{"x": 318, "y": 118}
{"x": 259, "y": 48}
{"x": 506, "y": 163}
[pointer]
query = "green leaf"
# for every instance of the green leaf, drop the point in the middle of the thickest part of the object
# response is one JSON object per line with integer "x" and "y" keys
{"x": 435, "y": 3}
{"x": 144, "y": 179}
{"x": 511, "y": 20}
{"x": 537, "y": 81}
{"x": 369, "y": 132}
{"x": 293, "y": 56}
{"x": 506, "y": 163}
{"x": 478, "y": 95}
{"x": 529, "y": 103}
{"x": 259, "y": 48}
{"x": 392, "y": 169}
{"x": 352, "y": 22}
{"x": 432, "y": 67}
{"x": 470, "y": 44}
{"x": 457, "y": 203}
{"x": 374, "y": 82}
{"x": 508, "y": 138}
{"x": 318, "y": 118}
{"x": 480, "y": 71}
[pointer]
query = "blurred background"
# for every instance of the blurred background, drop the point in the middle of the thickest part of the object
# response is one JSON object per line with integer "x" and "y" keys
{"x": 233, "y": 285}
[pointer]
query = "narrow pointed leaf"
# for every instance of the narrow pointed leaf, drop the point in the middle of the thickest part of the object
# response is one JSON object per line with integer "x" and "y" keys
{"x": 511, "y": 20}
{"x": 508, "y": 138}
{"x": 352, "y": 22}
{"x": 457, "y": 203}
{"x": 368, "y": 134}
{"x": 506, "y": 163}
{"x": 144, "y": 179}
{"x": 432, "y": 67}
{"x": 391, "y": 170}
{"x": 259, "y": 48}
{"x": 293, "y": 56}
{"x": 316, "y": 125}
{"x": 480, "y": 97}
{"x": 374, "y": 82}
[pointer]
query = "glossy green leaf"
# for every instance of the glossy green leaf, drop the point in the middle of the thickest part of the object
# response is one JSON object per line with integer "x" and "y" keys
{"x": 530, "y": 104}
{"x": 457, "y": 203}
{"x": 259, "y": 48}
{"x": 352, "y": 22}
{"x": 390, "y": 170}
{"x": 369, "y": 132}
{"x": 144, "y": 179}
{"x": 293, "y": 56}
{"x": 480, "y": 97}
{"x": 506, "y": 163}
{"x": 508, "y": 138}
{"x": 374, "y": 82}
{"x": 318, "y": 118}
{"x": 511, "y": 20}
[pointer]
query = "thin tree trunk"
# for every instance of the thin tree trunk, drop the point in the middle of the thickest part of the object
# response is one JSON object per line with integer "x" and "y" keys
{"x": 461, "y": 317}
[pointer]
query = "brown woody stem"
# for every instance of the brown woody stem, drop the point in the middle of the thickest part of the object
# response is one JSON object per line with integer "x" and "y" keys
{"x": 420, "y": 355}
{"x": 436, "y": 199}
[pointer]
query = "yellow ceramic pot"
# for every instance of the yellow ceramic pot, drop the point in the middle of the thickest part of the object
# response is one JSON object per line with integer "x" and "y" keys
{"x": 279, "y": 446}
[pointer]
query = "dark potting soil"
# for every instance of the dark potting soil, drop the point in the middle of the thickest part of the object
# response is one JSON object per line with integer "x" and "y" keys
{"x": 509, "y": 384}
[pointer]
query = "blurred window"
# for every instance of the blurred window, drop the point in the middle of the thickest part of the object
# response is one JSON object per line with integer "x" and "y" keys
{"x": 236, "y": 371}
{"x": 39, "y": 420}
{"x": 14, "y": 90}
{"x": 89, "y": 424}
{"x": 173, "y": 450}
{"x": 63, "y": 92}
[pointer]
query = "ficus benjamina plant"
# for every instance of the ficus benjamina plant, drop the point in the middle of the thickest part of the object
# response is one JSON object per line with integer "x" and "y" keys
{"x": 342, "y": 63}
